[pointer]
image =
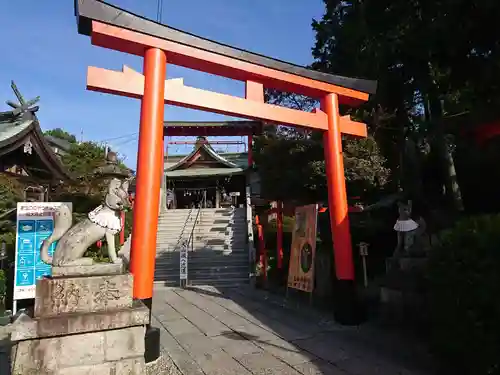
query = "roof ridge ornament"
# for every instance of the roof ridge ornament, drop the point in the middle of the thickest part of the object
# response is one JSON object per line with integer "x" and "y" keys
{"x": 23, "y": 106}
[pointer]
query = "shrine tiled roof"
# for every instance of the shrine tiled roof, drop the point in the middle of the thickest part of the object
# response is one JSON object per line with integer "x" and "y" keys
{"x": 230, "y": 163}
{"x": 20, "y": 134}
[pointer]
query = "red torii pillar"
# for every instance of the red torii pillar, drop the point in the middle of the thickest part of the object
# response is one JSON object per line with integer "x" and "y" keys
{"x": 337, "y": 195}
{"x": 149, "y": 173}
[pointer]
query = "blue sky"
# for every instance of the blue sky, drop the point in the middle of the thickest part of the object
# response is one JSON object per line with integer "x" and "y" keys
{"x": 43, "y": 53}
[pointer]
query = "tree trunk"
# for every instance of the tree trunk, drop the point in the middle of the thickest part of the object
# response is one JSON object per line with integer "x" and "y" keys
{"x": 452, "y": 189}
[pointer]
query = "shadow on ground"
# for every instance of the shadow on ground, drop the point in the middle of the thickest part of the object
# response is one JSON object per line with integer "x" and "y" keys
{"x": 208, "y": 330}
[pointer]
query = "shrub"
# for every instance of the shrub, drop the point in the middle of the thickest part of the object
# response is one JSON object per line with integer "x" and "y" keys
{"x": 464, "y": 280}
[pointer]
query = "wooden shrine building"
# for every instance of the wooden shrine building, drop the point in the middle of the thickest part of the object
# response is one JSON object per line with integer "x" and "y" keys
{"x": 25, "y": 153}
{"x": 204, "y": 176}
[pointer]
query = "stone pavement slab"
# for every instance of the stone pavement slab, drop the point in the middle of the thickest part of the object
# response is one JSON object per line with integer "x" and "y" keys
{"x": 236, "y": 345}
{"x": 319, "y": 367}
{"x": 182, "y": 360}
{"x": 180, "y": 327}
{"x": 265, "y": 363}
{"x": 285, "y": 351}
{"x": 166, "y": 313}
{"x": 324, "y": 348}
{"x": 210, "y": 331}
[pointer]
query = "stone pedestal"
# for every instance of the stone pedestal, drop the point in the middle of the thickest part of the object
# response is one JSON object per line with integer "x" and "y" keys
{"x": 83, "y": 325}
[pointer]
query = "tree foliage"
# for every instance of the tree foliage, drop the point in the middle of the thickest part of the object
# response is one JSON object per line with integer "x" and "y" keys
{"x": 61, "y": 134}
{"x": 82, "y": 160}
{"x": 464, "y": 277}
{"x": 291, "y": 161}
{"x": 294, "y": 168}
{"x": 427, "y": 68}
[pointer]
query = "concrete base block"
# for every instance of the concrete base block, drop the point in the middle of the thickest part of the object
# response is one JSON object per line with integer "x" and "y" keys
{"x": 110, "y": 352}
{"x": 83, "y": 325}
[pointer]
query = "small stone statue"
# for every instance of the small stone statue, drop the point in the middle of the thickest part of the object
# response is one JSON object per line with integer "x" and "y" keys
{"x": 103, "y": 221}
{"x": 406, "y": 228}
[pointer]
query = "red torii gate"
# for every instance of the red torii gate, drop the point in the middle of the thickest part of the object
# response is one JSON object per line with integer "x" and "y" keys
{"x": 114, "y": 28}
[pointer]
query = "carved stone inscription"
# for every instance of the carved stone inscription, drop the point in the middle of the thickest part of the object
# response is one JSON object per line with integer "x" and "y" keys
{"x": 82, "y": 294}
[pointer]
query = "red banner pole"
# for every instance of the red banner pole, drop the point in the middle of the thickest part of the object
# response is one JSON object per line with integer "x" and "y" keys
{"x": 261, "y": 246}
{"x": 122, "y": 232}
{"x": 279, "y": 233}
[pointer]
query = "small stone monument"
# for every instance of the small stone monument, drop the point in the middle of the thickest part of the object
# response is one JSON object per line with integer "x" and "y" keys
{"x": 85, "y": 319}
{"x": 402, "y": 282}
{"x": 412, "y": 245}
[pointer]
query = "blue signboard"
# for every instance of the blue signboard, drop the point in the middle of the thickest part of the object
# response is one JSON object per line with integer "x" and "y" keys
{"x": 34, "y": 224}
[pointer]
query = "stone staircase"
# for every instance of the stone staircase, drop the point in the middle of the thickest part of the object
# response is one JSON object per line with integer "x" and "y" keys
{"x": 218, "y": 254}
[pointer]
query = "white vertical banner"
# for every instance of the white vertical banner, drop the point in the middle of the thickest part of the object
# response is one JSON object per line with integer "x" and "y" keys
{"x": 183, "y": 263}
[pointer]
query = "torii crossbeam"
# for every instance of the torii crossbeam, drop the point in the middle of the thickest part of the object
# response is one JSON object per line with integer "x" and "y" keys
{"x": 117, "y": 29}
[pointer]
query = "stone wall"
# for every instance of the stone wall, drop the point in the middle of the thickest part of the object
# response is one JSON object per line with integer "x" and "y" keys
{"x": 112, "y": 352}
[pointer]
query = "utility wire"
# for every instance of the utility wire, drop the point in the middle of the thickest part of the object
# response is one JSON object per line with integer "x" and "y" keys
{"x": 120, "y": 137}
{"x": 124, "y": 142}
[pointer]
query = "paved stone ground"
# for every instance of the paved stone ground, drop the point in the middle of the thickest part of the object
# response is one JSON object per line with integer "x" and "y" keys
{"x": 208, "y": 331}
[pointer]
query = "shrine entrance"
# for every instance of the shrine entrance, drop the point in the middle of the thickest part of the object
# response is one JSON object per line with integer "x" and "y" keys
{"x": 114, "y": 28}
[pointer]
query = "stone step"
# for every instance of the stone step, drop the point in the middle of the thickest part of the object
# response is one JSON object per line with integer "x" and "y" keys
{"x": 203, "y": 252}
{"x": 174, "y": 243}
{"x": 218, "y": 219}
{"x": 173, "y": 240}
{"x": 201, "y": 224}
{"x": 203, "y": 219}
{"x": 205, "y": 257}
{"x": 222, "y": 252}
{"x": 208, "y": 233}
{"x": 194, "y": 274}
{"x": 228, "y": 283}
{"x": 203, "y": 216}
{"x": 202, "y": 213}
{"x": 204, "y": 266}
{"x": 206, "y": 248}
{"x": 203, "y": 241}
{"x": 221, "y": 283}
{"x": 205, "y": 227}
{"x": 210, "y": 242}
{"x": 213, "y": 209}
{"x": 205, "y": 230}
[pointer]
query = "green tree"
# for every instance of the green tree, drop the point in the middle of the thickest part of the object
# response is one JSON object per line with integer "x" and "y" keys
{"x": 427, "y": 66}
{"x": 291, "y": 163}
{"x": 293, "y": 167}
{"x": 61, "y": 134}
